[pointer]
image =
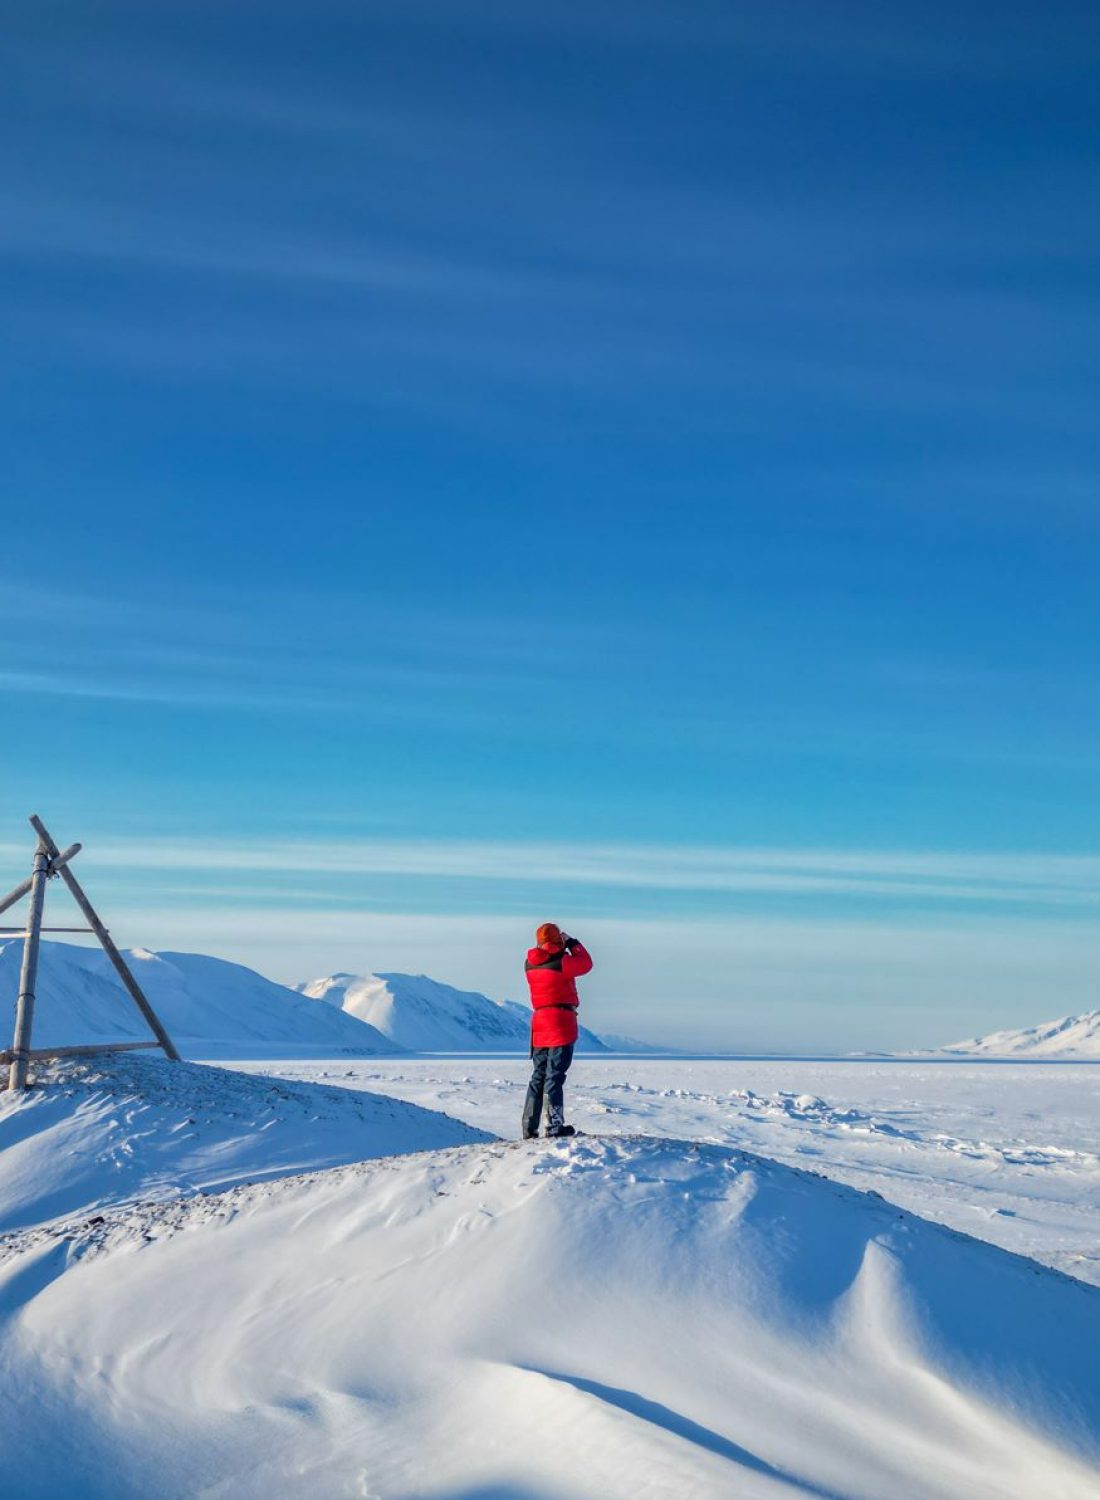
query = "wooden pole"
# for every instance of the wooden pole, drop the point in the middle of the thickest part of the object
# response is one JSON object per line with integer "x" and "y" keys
{"x": 109, "y": 947}
{"x": 90, "y": 1050}
{"x": 21, "y": 890}
{"x": 24, "y": 1010}
{"x": 22, "y": 931}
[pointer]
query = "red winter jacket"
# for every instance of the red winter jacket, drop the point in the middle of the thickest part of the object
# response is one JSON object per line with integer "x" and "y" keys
{"x": 552, "y": 974}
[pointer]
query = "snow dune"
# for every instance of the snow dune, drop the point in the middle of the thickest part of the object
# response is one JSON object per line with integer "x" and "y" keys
{"x": 1070, "y": 1037}
{"x": 1008, "y": 1152}
{"x": 602, "y": 1318}
{"x": 422, "y": 1015}
{"x": 210, "y": 1007}
{"x": 100, "y": 1131}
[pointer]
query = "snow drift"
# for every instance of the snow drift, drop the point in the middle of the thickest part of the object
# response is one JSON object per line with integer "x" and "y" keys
{"x": 423, "y": 1015}
{"x": 98, "y": 1131}
{"x": 210, "y": 1007}
{"x": 602, "y": 1318}
{"x": 1070, "y": 1037}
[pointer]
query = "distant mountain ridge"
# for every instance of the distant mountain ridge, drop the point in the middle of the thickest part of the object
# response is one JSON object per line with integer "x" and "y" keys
{"x": 425, "y": 1015}
{"x": 1071, "y": 1036}
{"x": 208, "y": 1005}
{"x": 615, "y": 1042}
{"x": 214, "y": 1008}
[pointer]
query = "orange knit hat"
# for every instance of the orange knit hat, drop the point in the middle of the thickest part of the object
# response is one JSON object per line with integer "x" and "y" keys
{"x": 550, "y": 933}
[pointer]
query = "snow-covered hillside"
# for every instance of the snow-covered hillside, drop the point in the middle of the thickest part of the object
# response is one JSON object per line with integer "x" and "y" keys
{"x": 599, "y": 1319}
{"x": 423, "y": 1015}
{"x": 210, "y": 1007}
{"x": 1072, "y": 1036}
{"x": 105, "y": 1130}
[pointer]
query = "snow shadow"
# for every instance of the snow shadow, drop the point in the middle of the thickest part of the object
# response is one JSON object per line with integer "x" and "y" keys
{"x": 674, "y": 1422}
{"x": 491, "y": 1492}
{"x": 29, "y": 1276}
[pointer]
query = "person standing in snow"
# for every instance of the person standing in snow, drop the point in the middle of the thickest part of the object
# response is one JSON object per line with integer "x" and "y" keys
{"x": 553, "y": 968}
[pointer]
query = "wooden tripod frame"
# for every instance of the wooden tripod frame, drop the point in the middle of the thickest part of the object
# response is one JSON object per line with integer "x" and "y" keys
{"x": 49, "y": 861}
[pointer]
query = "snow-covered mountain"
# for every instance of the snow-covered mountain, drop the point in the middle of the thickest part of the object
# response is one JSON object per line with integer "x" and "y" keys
{"x": 210, "y": 1007}
{"x": 617, "y": 1043}
{"x": 424, "y": 1015}
{"x": 1072, "y": 1036}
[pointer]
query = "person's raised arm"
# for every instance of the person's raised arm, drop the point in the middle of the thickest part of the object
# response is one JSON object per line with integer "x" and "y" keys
{"x": 576, "y": 960}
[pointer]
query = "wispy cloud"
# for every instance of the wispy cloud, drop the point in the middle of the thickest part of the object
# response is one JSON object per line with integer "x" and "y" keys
{"x": 905, "y": 877}
{"x": 121, "y": 234}
{"x": 379, "y": 657}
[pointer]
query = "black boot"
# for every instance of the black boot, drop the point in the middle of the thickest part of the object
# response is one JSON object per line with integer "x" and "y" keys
{"x": 557, "y": 1130}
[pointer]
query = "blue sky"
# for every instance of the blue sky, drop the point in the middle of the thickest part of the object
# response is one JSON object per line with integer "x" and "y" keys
{"x": 472, "y": 463}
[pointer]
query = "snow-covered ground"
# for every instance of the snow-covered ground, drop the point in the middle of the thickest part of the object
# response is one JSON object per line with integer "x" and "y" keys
{"x": 1008, "y": 1152}
{"x": 100, "y": 1131}
{"x": 646, "y": 1311}
{"x": 593, "y": 1319}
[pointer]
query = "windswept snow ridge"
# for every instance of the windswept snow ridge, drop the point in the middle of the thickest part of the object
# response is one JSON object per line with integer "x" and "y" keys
{"x": 1071, "y": 1037}
{"x": 93, "y": 1132}
{"x": 210, "y": 1007}
{"x": 423, "y": 1015}
{"x": 603, "y": 1318}
{"x": 1008, "y": 1152}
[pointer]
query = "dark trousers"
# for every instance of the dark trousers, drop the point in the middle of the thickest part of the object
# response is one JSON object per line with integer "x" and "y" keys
{"x": 549, "y": 1067}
